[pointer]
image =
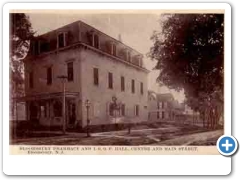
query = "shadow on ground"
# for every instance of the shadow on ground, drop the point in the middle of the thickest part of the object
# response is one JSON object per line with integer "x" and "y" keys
{"x": 141, "y": 134}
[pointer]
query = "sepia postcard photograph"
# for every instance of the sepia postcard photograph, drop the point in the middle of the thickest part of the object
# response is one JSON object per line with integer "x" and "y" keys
{"x": 116, "y": 81}
{"x": 117, "y": 89}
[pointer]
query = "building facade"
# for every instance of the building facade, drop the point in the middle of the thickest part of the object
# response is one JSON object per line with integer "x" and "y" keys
{"x": 83, "y": 64}
{"x": 152, "y": 106}
{"x": 163, "y": 107}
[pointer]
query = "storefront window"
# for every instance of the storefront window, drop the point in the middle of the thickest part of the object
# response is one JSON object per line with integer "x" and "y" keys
{"x": 57, "y": 108}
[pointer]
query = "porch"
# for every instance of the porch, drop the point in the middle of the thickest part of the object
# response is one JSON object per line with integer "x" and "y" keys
{"x": 46, "y": 110}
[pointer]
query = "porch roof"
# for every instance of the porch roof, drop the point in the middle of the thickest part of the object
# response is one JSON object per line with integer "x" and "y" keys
{"x": 44, "y": 96}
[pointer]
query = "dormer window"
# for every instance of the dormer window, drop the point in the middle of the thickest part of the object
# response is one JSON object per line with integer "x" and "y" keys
{"x": 61, "y": 40}
{"x": 93, "y": 38}
{"x": 137, "y": 60}
{"x": 44, "y": 46}
{"x": 129, "y": 56}
{"x": 113, "y": 49}
{"x": 96, "y": 41}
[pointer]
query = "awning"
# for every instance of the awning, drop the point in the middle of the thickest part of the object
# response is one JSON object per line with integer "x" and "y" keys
{"x": 45, "y": 96}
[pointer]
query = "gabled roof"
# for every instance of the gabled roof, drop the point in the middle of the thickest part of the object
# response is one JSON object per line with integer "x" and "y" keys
{"x": 152, "y": 94}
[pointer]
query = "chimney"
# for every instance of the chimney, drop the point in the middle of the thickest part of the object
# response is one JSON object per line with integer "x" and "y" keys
{"x": 120, "y": 37}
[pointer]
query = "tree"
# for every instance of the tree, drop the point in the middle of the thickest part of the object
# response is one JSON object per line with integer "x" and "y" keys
{"x": 189, "y": 54}
{"x": 20, "y": 34}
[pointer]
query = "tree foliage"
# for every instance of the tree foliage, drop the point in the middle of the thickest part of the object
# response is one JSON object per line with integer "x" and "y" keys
{"x": 20, "y": 34}
{"x": 189, "y": 54}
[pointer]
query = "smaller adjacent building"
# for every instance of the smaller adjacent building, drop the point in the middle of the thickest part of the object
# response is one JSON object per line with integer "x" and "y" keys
{"x": 152, "y": 105}
{"x": 163, "y": 107}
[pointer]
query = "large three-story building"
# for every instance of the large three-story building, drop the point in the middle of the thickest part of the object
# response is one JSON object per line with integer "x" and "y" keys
{"x": 96, "y": 68}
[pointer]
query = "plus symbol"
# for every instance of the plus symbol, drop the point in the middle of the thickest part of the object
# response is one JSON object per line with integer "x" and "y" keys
{"x": 227, "y": 145}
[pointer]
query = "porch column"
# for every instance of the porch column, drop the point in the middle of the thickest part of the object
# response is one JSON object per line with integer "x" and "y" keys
{"x": 27, "y": 111}
{"x": 79, "y": 112}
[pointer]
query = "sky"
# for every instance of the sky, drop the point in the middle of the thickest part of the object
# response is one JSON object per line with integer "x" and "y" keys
{"x": 135, "y": 30}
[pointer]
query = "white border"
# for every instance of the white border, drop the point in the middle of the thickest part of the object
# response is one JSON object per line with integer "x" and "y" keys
{"x": 119, "y": 164}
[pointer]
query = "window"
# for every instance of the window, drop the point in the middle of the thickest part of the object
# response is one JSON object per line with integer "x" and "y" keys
{"x": 43, "y": 110}
{"x": 163, "y": 115}
{"x": 128, "y": 56}
{"x": 111, "y": 109}
{"x": 141, "y": 88}
{"x": 110, "y": 80}
{"x": 133, "y": 86}
{"x": 70, "y": 71}
{"x": 31, "y": 79}
{"x": 114, "y": 49}
{"x": 160, "y": 105}
{"x": 122, "y": 83}
{"x": 57, "y": 109}
{"x": 125, "y": 55}
{"x": 137, "y": 110}
{"x": 95, "y": 76}
{"x": 165, "y": 105}
{"x": 44, "y": 46}
{"x": 158, "y": 114}
{"x": 49, "y": 75}
{"x": 61, "y": 40}
{"x": 123, "y": 109}
{"x": 96, "y": 41}
{"x": 166, "y": 115}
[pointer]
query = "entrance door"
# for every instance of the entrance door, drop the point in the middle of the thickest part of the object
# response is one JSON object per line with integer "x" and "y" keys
{"x": 33, "y": 108}
{"x": 71, "y": 113}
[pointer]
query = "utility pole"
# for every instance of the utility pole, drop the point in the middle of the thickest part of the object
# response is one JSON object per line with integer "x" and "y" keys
{"x": 87, "y": 104}
{"x": 63, "y": 78}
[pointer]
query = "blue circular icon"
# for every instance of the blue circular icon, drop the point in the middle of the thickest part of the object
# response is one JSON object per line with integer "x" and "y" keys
{"x": 227, "y": 145}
